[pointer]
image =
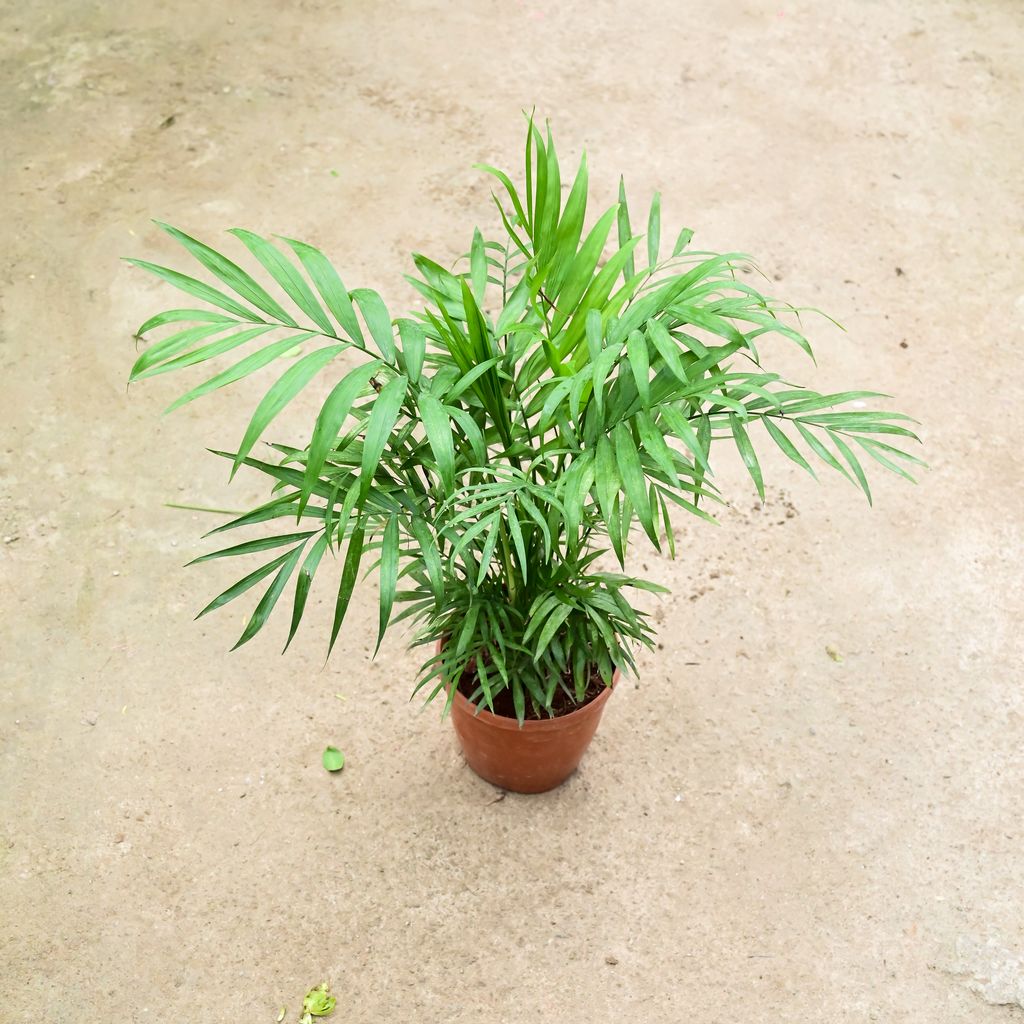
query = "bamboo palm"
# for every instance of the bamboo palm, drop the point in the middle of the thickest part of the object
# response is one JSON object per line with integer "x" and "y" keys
{"x": 555, "y": 392}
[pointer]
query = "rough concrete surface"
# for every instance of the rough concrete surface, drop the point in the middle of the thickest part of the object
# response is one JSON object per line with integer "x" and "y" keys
{"x": 760, "y": 833}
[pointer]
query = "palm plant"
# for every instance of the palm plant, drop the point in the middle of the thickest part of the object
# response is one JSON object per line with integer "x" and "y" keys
{"x": 556, "y": 392}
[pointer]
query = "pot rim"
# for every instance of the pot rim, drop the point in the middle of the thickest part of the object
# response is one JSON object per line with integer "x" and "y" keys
{"x": 535, "y": 724}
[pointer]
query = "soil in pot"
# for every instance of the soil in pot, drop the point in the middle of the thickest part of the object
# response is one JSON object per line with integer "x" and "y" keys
{"x": 563, "y": 704}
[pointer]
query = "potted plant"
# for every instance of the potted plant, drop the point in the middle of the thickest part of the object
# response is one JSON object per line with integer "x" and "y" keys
{"x": 565, "y": 387}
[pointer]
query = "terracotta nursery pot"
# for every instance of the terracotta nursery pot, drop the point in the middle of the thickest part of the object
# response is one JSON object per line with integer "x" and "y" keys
{"x": 532, "y": 758}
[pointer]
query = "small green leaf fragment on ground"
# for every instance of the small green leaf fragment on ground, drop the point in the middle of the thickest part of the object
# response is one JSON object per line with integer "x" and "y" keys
{"x": 333, "y": 760}
{"x": 318, "y": 1002}
{"x": 280, "y": 1016}
{"x": 834, "y": 654}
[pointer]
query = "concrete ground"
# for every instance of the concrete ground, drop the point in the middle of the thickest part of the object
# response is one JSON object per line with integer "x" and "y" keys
{"x": 763, "y": 831}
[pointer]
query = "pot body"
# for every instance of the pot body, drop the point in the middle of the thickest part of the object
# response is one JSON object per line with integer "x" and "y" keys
{"x": 533, "y": 758}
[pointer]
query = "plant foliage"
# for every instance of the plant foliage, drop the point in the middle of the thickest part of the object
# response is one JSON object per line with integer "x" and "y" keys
{"x": 566, "y": 385}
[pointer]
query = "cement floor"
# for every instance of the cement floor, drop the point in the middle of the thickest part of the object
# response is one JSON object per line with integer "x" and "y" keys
{"x": 760, "y": 833}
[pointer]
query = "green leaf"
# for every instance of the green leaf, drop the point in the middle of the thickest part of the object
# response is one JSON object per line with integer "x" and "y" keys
{"x": 667, "y": 348}
{"x": 514, "y": 306}
{"x": 899, "y": 453}
{"x": 233, "y": 276}
{"x": 535, "y": 142}
{"x": 474, "y": 435}
{"x": 880, "y": 452}
{"x": 858, "y": 471}
{"x": 534, "y": 513}
{"x": 196, "y": 289}
{"x": 173, "y": 316}
{"x": 329, "y": 422}
{"x": 382, "y": 421}
{"x": 512, "y": 233}
{"x": 388, "y": 576}
{"x": 244, "y": 584}
{"x": 607, "y": 476}
{"x": 746, "y": 450}
{"x": 544, "y": 229}
{"x": 654, "y": 230}
{"x": 639, "y": 365}
{"x": 635, "y": 485}
{"x": 276, "y": 508}
{"x": 468, "y": 626}
{"x": 167, "y": 347}
{"x": 439, "y": 436}
{"x": 582, "y": 271}
{"x": 598, "y": 290}
{"x": 198, "y": 355}
{"x": 682, "y": 241}
{"x": 304, "y": 582}
{"x": 625, "y": 234}
{"x": 429, "y": 554}
{"x": 349, "y": 575}
{"x": 603, "y": 365}
{"x": 333, "y": 760}
{"x": 344, "y": 515}
{"x": 577, "y": 482}
{"x": 681, "y": 428}
{"x": 250, "y": 364}
{"x": 551, "y": 626}
{"x": 516, "y": 533}
{"x": 285, "y": 274}
{"x": 378, "y": 320}
{"x": 414, "y": 347}
{"x": 513, "y": 194}
{"x": 570, "y": 227}
{"x": 478, "y": 266}
{"x": 866, "y": 420}
{"x": 594, "y": 331}
{"x": 470, "y": 534}
{"x": 488, "y": 551}
{"x": 670, "y": 536}
{"x": 287, "y": 386}
{"x": 285, "y": 474}
{"x": 467, "y": 380}
{"x": 251, "y": 547}
{"x": 266, "y": 605}
{"x": 328, "y": 284}
{"x": 821, "y": 451}
{"x": 318, "y": 1002}
{"x": 654, "y": 445}
{"x": 801, "y": 401}
{"x": 787, "y": 446}
{"x": 554, "y": 402}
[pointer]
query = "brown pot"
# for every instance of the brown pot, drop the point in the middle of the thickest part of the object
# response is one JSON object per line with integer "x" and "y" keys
{"x": 531, "y": 758}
